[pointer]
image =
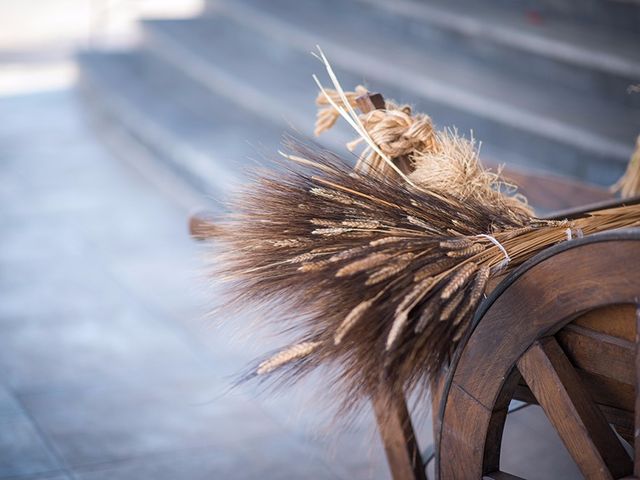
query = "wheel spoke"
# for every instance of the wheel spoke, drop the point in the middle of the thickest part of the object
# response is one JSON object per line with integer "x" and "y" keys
{"x": 577, "y": 419}
{"x": 398, "y": 437}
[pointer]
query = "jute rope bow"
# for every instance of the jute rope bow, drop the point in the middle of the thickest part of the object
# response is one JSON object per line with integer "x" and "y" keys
{"x": 395, "y": 130}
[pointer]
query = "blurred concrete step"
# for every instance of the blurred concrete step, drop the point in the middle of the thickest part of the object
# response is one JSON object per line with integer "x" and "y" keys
{"x": 203, "y": 138}
{"x": 265, "y": 52}
{"x": 596, "y": 60}
{"x": 615, "y": 14}
{"x": 263, "y": 75}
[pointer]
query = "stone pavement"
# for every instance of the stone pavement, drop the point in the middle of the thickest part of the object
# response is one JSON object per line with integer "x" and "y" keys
{"x": 109, "y": 365}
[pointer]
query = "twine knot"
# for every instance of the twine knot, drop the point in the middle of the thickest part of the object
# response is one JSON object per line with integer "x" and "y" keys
{"x": 505, "y": 261}
{"x": 395, "y": 130}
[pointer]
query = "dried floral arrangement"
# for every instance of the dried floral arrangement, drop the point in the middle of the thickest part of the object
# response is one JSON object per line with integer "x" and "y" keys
{"x": 382, "y": 266}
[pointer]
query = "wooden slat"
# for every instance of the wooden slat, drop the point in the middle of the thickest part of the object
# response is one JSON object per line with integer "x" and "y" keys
{"x": 599, "y": 353}
{"x": 621, "y": 420}
{"x": 550, "y": 192}
{"x": 609, "y": 392}
{"x": 370, "y": 101}
{"x": 604, "y": 391}
{"x": 437, "y": 388}
{"x": 495, "y": 430}
{"x": 540, "y": 302}
{"x": 616, "y": 320}
{"x": 463, "y": 437}
{"x": 579, "y": 422}
{"x": 398, "y": 437}
{"x": 636, "y": 463}
{"x": 535, "y": 296}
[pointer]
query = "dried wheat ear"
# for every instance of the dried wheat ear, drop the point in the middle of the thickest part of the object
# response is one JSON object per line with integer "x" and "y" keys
{"x": 381, "y": 269}
{"x": 382, "y": 278}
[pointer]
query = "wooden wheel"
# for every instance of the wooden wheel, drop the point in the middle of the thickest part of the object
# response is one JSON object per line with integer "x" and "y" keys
{"x": 519, "y": 347}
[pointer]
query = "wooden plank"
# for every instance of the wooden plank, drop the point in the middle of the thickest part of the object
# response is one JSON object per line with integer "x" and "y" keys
{"x": 370, "y": 101}
{"x": 621, "y": 420}
{"x": 609, "y": 392}
{"x": 493, "y": 443}
{"x": 616, "y": 320}
{"x": 463, "y": 436}
{"x": 585, "y": 208}
{"x": 579, "y": 422}
{"x": 437, "y": 388}
{"x": 599, "y": 353}
{"x": 550, "y": 192}
{"x": 636, "y": 433}
{"x": 398, "y": 437}
{"x": 549, "y": 292}
{"x": 604, "y": 391}
{"x": 539, "y": 302}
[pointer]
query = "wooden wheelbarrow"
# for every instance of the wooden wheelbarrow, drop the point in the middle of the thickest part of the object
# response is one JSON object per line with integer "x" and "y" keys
{"x": 560, "y": 331}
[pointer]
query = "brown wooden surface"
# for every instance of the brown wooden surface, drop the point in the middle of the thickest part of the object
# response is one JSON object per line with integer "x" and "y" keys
{"x": 610, "y": 392}
{"x": 500, "y": 476}
{"x": 370, "y": 101}
{"x": 616, "y": 320}
{"x": 548, "y": 296}
{"x": 462, "y": 436}
{"x": 622, "y": 420}
{"x": 548, "y": 192}
{"x": 575, "y": 416}
{"x": 398, "y": 436}
{"x": 636, "y": 433}
{"x": 492, "y": 450}
{"x": 538, "y": 303}
{"x": 599, "y": 353}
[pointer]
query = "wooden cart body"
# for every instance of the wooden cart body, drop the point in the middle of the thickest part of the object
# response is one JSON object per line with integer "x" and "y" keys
{"x": 560, "y": 331}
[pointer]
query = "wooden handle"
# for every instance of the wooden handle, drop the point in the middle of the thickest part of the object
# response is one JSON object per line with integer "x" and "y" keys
{"x": 370, "y": 101}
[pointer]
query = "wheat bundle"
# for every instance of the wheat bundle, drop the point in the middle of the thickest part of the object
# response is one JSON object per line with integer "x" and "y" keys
{"x": 384, "y": 272}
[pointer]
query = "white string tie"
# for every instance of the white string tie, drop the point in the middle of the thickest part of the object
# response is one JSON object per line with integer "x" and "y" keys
{"x": 506, "y": 260}
{"x": 570, "y": 232}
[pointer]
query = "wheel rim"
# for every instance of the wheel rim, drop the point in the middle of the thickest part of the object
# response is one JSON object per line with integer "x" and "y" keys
{"x": 481, "y": 381}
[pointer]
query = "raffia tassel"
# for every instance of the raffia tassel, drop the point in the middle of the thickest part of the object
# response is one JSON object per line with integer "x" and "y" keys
{"x": 288, "y": 355}
{"x": 629, "y": 183}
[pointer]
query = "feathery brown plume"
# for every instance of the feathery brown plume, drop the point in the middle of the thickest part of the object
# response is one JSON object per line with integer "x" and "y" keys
{"x": 365, "y": 260}
{"x": 406, "y": 325}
